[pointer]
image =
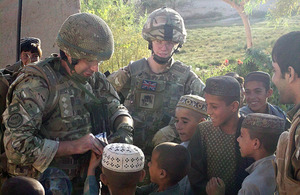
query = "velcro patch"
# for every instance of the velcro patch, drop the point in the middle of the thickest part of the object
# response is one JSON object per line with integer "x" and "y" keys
{"x": 15, "y": 120}
{"x": 149, "y": 85}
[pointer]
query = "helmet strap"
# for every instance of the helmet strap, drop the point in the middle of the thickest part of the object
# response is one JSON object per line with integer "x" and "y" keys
{"x": 161, "y": 60}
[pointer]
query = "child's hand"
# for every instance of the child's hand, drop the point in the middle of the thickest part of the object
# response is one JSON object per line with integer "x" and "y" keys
{"x": 215, "y": 186}
{"x": 94, "y": 163}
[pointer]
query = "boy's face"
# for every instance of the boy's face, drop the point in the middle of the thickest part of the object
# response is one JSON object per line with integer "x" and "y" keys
{"x": 257, "y": 96}
{"x": 27, "y": 57}
{"x": 186, "y": 123}
{"x": 245, "y": 143}
{"x": 217, "y": 109}
{"x": 154, "y": 170}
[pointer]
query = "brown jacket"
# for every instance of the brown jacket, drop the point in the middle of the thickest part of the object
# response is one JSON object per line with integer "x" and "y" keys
{"x": 288, "y": 157}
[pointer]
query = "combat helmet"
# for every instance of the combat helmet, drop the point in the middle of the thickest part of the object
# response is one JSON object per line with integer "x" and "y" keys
{"x": 165, "y": 24}
{"x": 86, "y": 36}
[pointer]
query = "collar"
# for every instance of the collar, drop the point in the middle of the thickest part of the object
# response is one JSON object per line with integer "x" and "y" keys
{"x": 254, "y": 165}
{"x": 293, "y": 111}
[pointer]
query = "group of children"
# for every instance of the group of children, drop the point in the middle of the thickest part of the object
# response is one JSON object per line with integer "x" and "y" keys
{"x": 215, "y": 157}
{"x": 231, "y": 153}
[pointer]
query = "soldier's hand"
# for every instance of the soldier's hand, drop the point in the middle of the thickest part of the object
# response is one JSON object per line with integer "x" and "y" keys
{"x": 122, "y": 135}
{"x": 88, "y": 142}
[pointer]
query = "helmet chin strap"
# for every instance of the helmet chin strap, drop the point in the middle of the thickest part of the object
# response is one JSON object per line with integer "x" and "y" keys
{"x": 74, "y": 74}
{"x": 161, "y": 60}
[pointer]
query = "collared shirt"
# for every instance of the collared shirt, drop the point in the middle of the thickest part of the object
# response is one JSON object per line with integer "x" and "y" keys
{"x": 261, "y": 179}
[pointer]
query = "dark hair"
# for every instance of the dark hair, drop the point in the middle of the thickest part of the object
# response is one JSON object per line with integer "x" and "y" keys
{"x": 31, "y": 44}
{"x": 286, "y": 52}
{"x": 229, "y": 99}
{"x": 175, "y": 159}
{"x": 259, "y": 76}
{"x": 21, "y": 185}
{"x": 268, "y": 140}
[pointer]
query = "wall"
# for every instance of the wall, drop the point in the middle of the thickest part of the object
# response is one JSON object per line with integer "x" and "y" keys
{"x": 40, "y": 18}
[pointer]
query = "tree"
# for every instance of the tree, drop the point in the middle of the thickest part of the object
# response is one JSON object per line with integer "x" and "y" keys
{"x": 239, "y": 5}
{"x": 280, "y": 11}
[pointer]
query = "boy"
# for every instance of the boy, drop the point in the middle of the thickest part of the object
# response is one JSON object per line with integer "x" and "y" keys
{"x": 122, "y": 169}
{"x": 21, "y": 185}
{"x": 258, "y": 140}
{"x": 214, "y": 149}
{"x": 257, "y": 91}
{"x": 169, "y": 164}
{"x": 190, "y": 111}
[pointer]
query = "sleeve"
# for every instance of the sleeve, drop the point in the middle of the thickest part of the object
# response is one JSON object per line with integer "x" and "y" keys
{"x": 198, "y": 171}
{"x": 91, "y": 186}
{"x": 194, "y": 85}
{"x": 23, "y": 142}
{"x": 103, "y": 88}
{"x": 249, "y": 189}
{"x": 120, "y": 80}
{"x": 166, "y": 134}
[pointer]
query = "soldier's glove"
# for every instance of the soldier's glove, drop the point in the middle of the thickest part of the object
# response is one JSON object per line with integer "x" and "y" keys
{"x": 124, "y": 134}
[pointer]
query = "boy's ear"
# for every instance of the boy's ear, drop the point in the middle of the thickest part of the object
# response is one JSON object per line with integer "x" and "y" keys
{"x": 103, "y": 179}
{"x": 163, "y": 173}
{"x": 269, "y": 92}
{"x": 256, "y": 144}
{"x": 235, "y": 106}
{"x": 142, "y": 175}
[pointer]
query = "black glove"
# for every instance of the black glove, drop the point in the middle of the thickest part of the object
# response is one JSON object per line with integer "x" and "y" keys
{"x": 124, "y": 134}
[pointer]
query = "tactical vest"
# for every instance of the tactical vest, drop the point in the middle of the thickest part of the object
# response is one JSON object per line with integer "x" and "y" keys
{"x": 65, "y": 117}
{"x": 285, "y": 149}
{"x": 152, "y": 98}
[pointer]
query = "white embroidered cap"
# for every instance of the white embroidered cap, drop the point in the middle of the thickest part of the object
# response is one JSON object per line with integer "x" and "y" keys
{"x": 121, "y": 157}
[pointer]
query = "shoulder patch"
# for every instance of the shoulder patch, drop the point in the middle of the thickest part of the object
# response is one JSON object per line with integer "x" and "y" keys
{"x": 15, "y": 120}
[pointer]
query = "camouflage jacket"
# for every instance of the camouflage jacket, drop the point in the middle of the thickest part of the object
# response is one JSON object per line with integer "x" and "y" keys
{"x": 39, "y": 116}
{"x": 151, "y": 98}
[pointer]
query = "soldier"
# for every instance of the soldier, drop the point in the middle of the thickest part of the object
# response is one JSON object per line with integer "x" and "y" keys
{"x": 55, "y": 105}
{"x": 286, "y": 77}
{"x": 152, "y": 86}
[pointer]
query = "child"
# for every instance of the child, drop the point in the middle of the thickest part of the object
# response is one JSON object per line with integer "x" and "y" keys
{"x": 122, "y": 169}
{"x": 214, "y": 149}
{"x": 169, "y": 164}
{"x": 21, "y": 185}
{"x": 257, "y": 91}
{"x": 258, "y": 139}
{"x": 190, "y": 111}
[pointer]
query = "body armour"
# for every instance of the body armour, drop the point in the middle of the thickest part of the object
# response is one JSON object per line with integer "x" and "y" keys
{"x": 151, "y": 98}
{"x": 47, "y": 107}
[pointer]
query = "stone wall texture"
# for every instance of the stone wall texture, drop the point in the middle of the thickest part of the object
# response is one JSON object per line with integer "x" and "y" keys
{"x": 40, "y": 18}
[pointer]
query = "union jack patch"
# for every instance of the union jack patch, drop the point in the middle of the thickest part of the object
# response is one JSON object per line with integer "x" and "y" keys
{"x": 149, "y": 85}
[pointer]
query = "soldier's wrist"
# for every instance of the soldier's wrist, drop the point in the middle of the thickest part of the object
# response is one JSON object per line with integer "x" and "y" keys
{"x": 125, "y": 126}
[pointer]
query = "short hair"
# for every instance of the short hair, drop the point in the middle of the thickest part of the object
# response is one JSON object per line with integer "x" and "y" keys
{"x": 21, "y": 185}
{"x": 259, "y": 76}
{"x": 175, "y": 159}
{"x": 268, "y": 140}
{"x": 286, "y": 52}
{"x": 31, "y": 44}
{"x": 118, "y": 180}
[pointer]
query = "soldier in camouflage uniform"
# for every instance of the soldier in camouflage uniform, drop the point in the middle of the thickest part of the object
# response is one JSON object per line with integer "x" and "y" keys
{"x": 55, "y": 105}
{"x": 152, "y": 86}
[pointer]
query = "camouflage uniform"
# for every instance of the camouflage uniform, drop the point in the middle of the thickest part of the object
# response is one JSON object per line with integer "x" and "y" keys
{"x": 151, "y": 98}
{"x": 48, "y": 106}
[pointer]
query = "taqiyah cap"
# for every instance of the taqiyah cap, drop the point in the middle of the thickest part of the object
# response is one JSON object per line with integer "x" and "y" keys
{"x": 121, "y": 157}
{"x": 222, "y": 86}
{"x": 193, "y": 102}
{"x": 264, "y": 123}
